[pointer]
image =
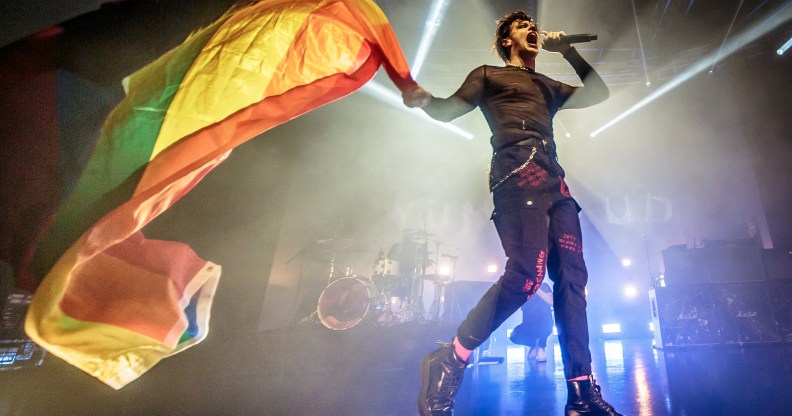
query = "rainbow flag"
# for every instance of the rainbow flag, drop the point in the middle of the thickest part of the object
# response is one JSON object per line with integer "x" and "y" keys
{"x": 115, "y": 303}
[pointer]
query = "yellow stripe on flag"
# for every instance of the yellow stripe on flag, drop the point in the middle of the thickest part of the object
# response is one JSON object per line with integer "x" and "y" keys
{"x": 242, "y": 64}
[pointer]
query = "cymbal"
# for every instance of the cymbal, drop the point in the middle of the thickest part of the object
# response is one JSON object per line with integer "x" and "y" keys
{"x": 336, "y": 244}
{"x": 326, "y": 249}
{"x": 333, "y": 241}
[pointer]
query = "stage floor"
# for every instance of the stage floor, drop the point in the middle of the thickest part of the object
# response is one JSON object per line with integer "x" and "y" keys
{"x": 310, "y": 370}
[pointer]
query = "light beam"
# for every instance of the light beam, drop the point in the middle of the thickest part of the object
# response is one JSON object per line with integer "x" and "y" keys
{"x": 433, "y": 22}
{"x": 777, "y": 18}
{"x": 728, "y": 31}
{"x": 390, "y": 97}
{"x": 640, "y": 44}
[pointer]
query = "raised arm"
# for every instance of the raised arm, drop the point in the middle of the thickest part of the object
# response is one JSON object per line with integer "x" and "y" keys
{"x": 594, "y": 90}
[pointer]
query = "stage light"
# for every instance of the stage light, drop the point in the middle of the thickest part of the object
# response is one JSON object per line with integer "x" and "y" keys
{"x": 630, "y": 291}
{"x": 563, "y": 127}
{"x": 651, "y": 326}
{"x": 390, "y": 97}
{"x": 648, "y": 84}
{"x": 752, "y": 33}
{"x": 492, "y": 268}
{"x": 626, "y": 262}
{"x": 430, "y": 30}
{"x": 611, "y": 328}
{"x": 728, "y": 31}
{"x": 614, "y": 353}
{"x": 444, "y": 270}
{"x": 555, "y": 330}
{"x": 784, "y": 47}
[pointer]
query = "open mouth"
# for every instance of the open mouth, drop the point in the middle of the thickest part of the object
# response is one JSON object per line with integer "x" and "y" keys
{"x": 533, "y": 39}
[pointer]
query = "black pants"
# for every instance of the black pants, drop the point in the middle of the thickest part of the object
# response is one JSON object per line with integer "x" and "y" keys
{"x": 539, "y": 228}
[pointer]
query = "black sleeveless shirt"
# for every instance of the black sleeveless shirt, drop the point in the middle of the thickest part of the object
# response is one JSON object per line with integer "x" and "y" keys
{"x": 518, "y": 104}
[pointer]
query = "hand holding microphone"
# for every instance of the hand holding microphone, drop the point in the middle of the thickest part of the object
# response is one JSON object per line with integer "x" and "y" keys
{"x": 561, "y": 42}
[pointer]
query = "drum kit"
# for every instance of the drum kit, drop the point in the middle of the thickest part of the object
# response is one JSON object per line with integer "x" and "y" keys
{"x": 394, "y": 292}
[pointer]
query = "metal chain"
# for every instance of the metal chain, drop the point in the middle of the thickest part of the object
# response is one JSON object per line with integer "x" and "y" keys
{"x": 513, "y": 172}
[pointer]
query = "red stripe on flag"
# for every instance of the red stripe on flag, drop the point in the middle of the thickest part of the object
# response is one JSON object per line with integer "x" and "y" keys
{"x": 137, "y": 285}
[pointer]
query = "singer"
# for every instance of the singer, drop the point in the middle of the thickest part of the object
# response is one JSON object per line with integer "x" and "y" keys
{"x": 535, "y": 215}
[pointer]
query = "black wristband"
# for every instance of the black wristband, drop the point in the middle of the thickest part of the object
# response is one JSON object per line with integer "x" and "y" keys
{"x": 570, "y": 50}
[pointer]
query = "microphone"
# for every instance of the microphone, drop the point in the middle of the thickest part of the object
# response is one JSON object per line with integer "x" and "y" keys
{"x": 581, "y": 38}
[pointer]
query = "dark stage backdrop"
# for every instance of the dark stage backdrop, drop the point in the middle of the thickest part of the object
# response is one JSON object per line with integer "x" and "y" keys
{"x": 707, "y": 161}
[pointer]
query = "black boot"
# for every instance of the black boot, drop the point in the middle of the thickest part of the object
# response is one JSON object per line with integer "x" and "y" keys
{"x": 441, "y": 375}
{"x": 584, "y": 398}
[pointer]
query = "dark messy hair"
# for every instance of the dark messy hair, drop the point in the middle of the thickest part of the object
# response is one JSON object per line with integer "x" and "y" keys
{"x": 504, "y": 29}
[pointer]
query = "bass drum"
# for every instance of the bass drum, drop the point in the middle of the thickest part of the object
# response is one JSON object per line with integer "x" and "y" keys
{"x": 348, "y": 302}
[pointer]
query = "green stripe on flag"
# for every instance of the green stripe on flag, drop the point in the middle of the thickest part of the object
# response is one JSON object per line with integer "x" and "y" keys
{"x": 123, "y": 149}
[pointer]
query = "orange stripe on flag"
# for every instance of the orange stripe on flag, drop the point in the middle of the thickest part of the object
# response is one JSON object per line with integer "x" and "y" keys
{"x": 138, "y": 284}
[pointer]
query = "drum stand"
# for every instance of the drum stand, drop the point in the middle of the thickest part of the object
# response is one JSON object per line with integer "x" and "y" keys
{"x": 389, "y": 317}
{"x": 438, "y": 301}
{"x": 440, "y": 282}
{"x": 416, "y": 309}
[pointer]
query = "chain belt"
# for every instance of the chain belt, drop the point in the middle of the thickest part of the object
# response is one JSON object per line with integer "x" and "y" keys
{"x": 512, "y": 173}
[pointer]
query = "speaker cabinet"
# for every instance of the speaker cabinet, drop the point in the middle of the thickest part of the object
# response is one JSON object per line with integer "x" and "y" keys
{"x": 738, "y": 263}
{"x": 744, "y": 313}
{"x": 685, "y": 266}
{"x": 722, "y": 313}
{"x": 778, "y": 264}
{"x": 735, "y": 264}
{"x": 684, "y": 316}
{"x": 780, "y": 294}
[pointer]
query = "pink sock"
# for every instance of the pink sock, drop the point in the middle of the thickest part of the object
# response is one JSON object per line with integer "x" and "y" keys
{"x": 579, "y": 378}
{"x": 461, "y": 351}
